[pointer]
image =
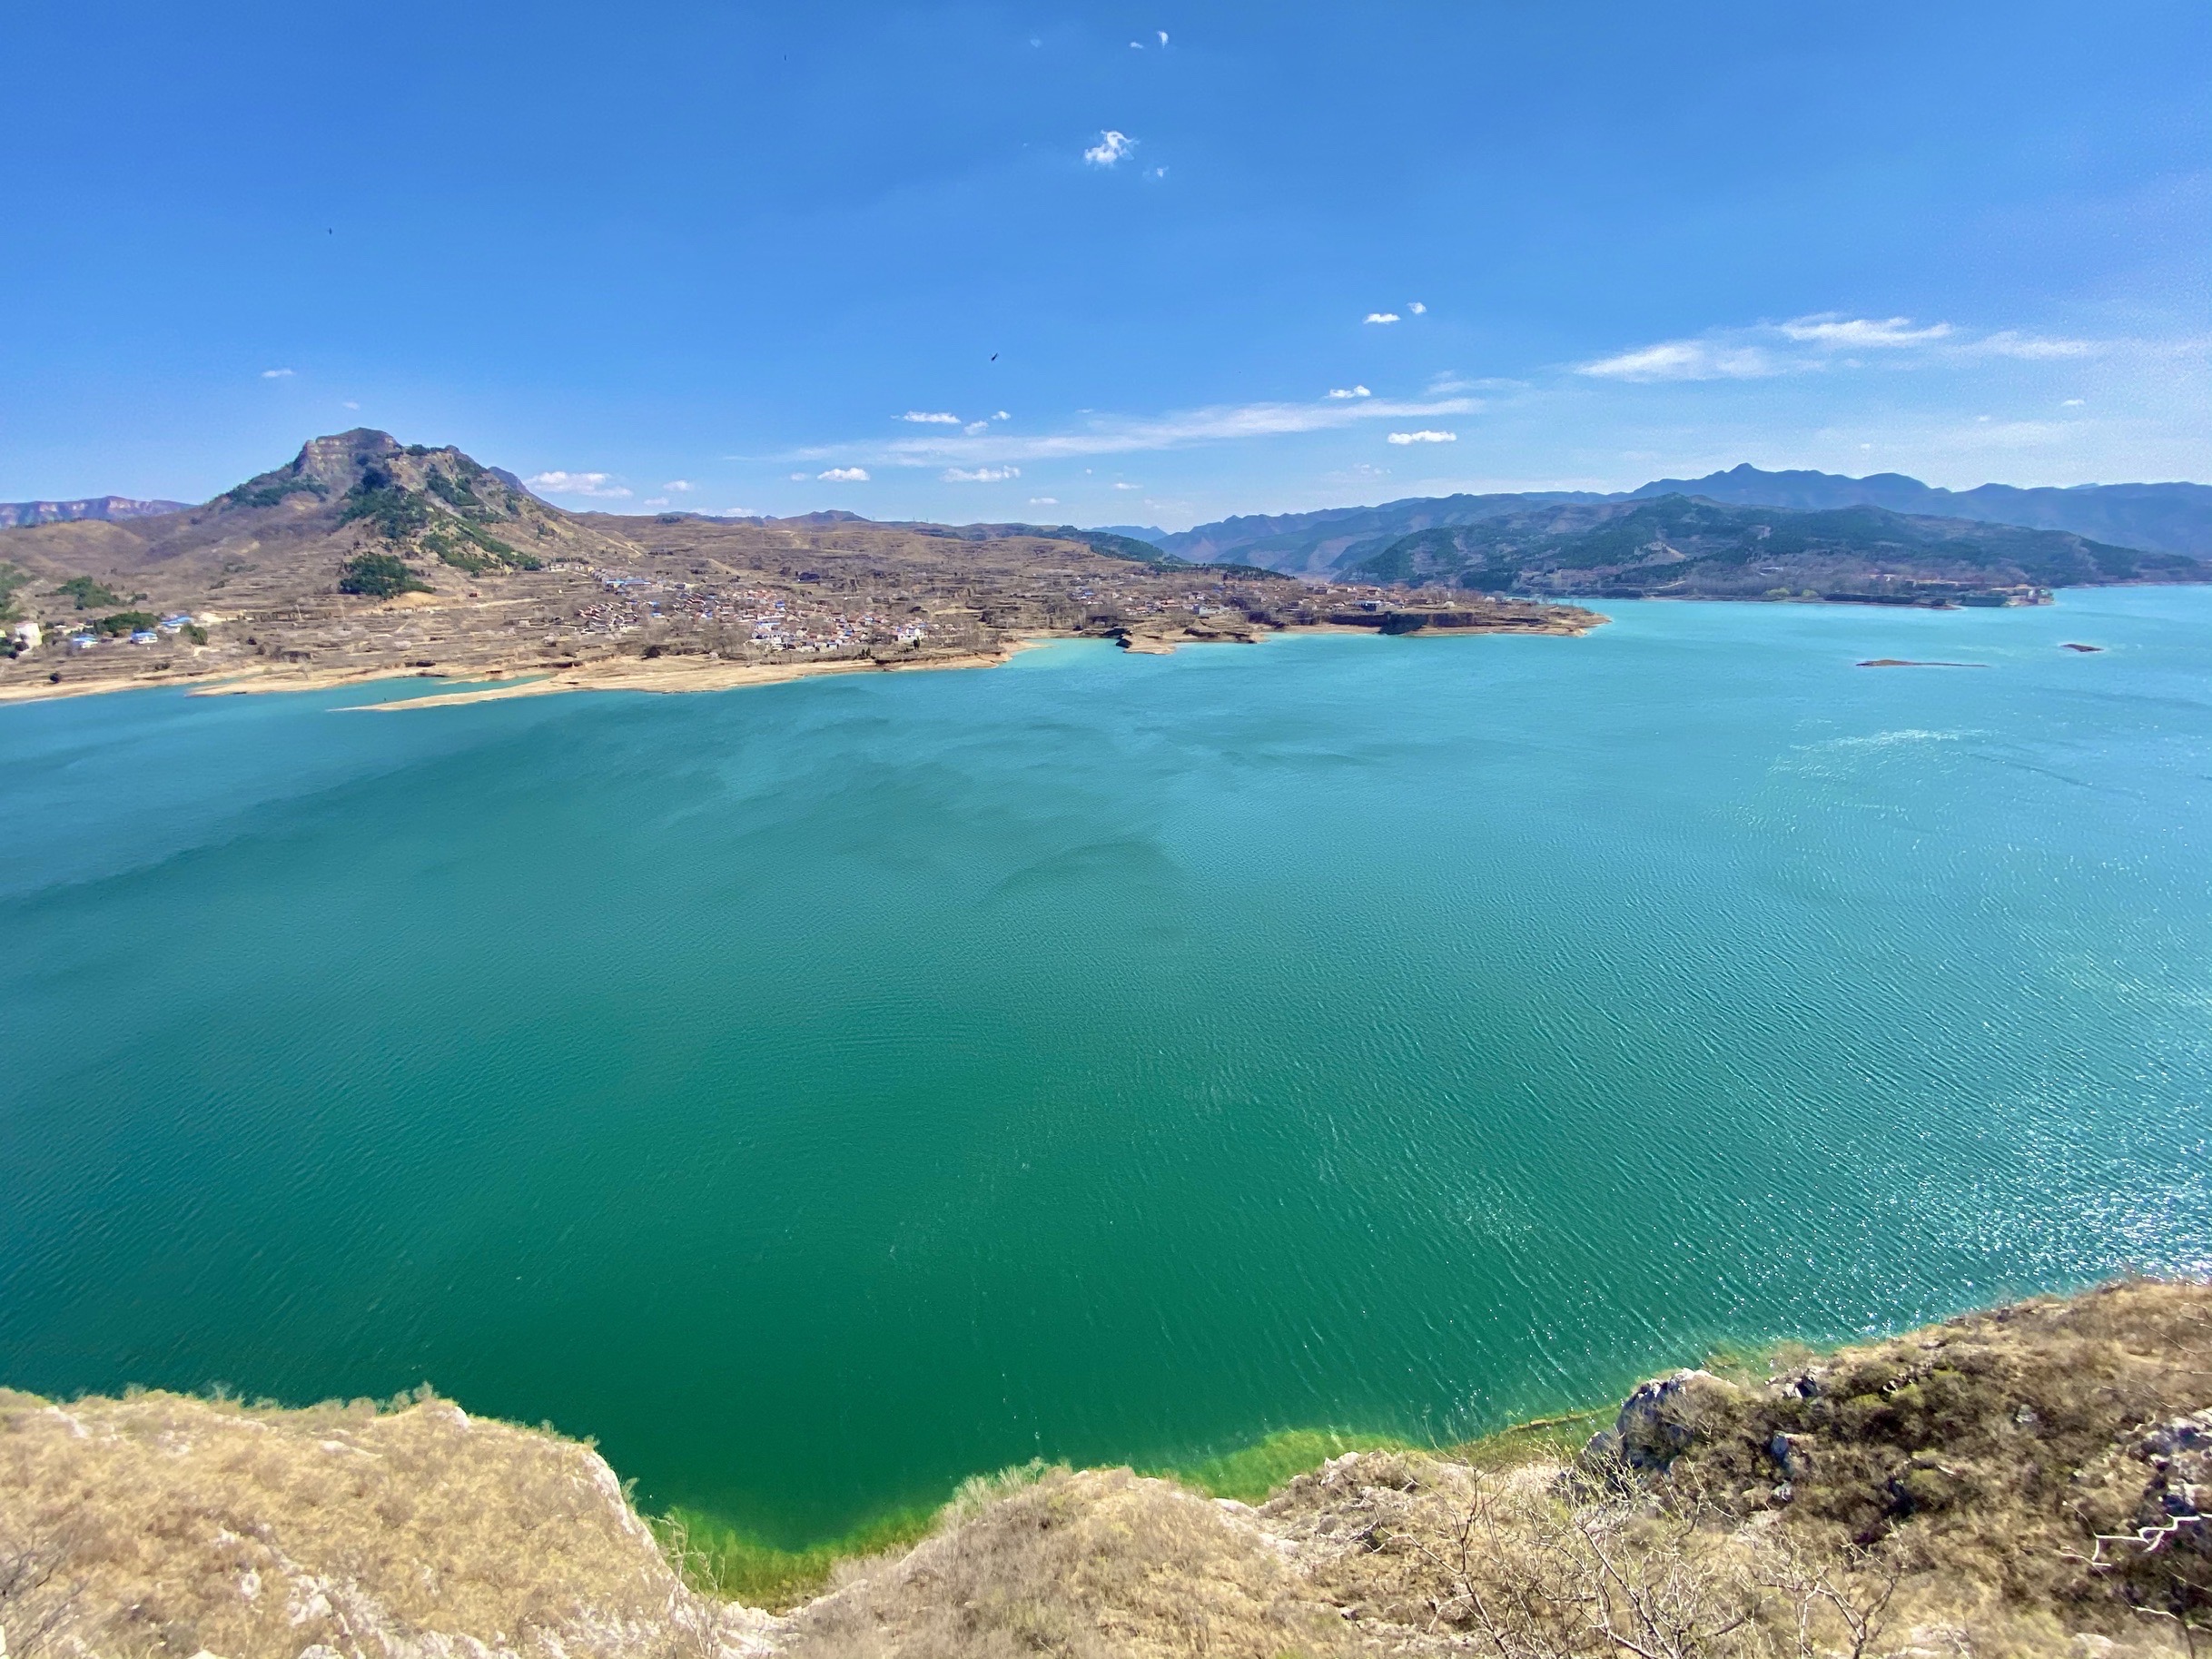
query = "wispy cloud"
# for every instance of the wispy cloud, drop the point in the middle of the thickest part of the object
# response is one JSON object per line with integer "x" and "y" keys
{"x": 843, "y": 475}
{"x": 349, "y": 403}
{"x": 276, "y": 374}
{"x": 1415, "y": 307}
{"x": 927, "y": 417}
{"x": 2034, "y": 348}
{"x": 596, "y": 486}
{"x": 1827, "y": 339}
{"x": 680, "y": 486}
{"x": 1045, "y": 501}
{"x": 1424, "y": 437}
{"x": 979, "y": 475}
{"x": 1163, "y": 36}
{"x": 1862, "y": 333}
{"x": 1110, "y": 148}
{"x": 1120, "y": 485}
{"x": 1381, "y": 317}
{"x": 1350, "y": 391}
{"x": 1117, "y": 435}
{"x": 974, "y": 427}
{"x": 1685, "y": 360}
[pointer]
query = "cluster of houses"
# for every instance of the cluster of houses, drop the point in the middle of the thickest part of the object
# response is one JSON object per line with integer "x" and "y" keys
{"x": 30, "y": 635}
{"x": 770, "y": 619}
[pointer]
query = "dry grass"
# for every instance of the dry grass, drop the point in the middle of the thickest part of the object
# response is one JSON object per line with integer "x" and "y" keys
{"x": 162, "y": 1523}
{"x": 1079, "y": 1566}
{"x": 2023, "y": 1482}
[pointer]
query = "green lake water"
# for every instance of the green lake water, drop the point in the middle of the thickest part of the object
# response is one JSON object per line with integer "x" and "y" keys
{"x": 819, "y": 1093}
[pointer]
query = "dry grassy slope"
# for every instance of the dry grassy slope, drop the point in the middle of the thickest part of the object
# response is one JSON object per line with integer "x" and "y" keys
{"x": 282, "y": 530}
{"x": 160, "y": 1523}
{"x": 2021, "y": 1482}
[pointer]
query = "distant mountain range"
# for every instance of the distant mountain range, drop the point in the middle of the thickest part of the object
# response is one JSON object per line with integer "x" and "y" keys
{"x": 1687, "y": 546}
{"x": 2172, "y": 518}
{"x": 13, "y": 514}
{"x": 2158, "y": 518}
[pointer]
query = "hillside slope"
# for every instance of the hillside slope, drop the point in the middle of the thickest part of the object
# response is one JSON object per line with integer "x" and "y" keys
{"x": 2033, "y": 1480}
{"x": 2174, "y": 519}
{"x": 2157, "y": 517}
{"x": 293, "y": 528}
{"x": 1683, "y": 546}
{"x": 364, "y": 558}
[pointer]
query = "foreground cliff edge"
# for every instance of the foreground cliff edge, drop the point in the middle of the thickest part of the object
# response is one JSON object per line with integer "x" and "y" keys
{"x": 2031, "y": 1480}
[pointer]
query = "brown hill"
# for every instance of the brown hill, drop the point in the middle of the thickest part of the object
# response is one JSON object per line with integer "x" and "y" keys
{"x": 291, "y": 530}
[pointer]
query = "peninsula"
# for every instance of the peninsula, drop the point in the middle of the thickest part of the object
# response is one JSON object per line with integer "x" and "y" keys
{"x": 363, "y": 559}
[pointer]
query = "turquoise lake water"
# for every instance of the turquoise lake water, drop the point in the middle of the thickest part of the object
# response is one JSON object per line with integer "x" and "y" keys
{"x": 819, "y": 1093}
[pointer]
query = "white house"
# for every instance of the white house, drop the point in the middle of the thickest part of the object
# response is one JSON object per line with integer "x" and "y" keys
{"x": 28, "y": 635}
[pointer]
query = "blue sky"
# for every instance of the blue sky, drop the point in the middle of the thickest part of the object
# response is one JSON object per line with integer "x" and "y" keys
{"x": 1125, "y": 257}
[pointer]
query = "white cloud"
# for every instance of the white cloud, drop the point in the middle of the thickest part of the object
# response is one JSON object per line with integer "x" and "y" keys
{"x": 349, "y": 403}
{"x": 1424, "y": 437}
{"x": 1157, "y": 173}
{"x": 1121, "y": 486}
{"x": 1350, "y": 391}
{"x": 1136, "y": 45}
{"x": 974, "y": 427}
{"x": 798, "y": 478}
{"x": 681, "y": 486}
{"x": 980, "y": 475}
{"x": 654, "y": 501}
{"x": 2071, "y": 403}
{"x": 1381, "y": 317}
{"x": 1045, "y": 501}
{"x": 843, "y": 475}
{"x": 1110, "y": 148}
{"x": 2033, "y": 348}
{"x": 1001, "y": 415}
{"x": 1163, "y": 36}
{"x": 597, "y": 486}
{"x": 1119, "y": 435}
{"x": 276, "y": 374}
{"x": 1861, "y": 333}
{"x": 924, "y": 418}
{"x": 1824, "y": 340}
{"x": 1415, "y": 307}
{"x": 1685, "y": 360}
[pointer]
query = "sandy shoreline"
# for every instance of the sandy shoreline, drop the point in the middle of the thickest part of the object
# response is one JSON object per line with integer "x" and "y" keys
{"x": 666, "y": 675}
